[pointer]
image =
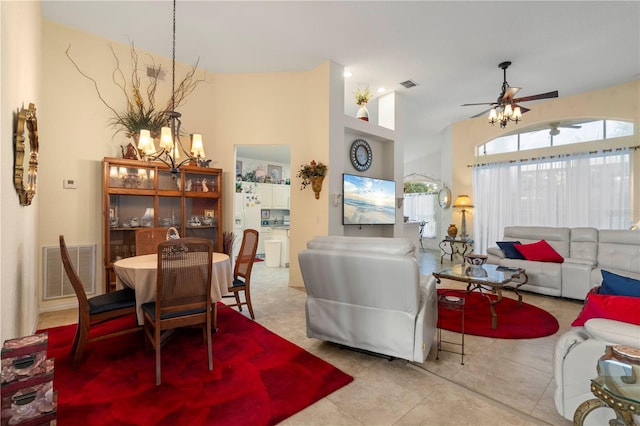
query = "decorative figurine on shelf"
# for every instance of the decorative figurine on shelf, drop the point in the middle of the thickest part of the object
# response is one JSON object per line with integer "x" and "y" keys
{"x": 188, "y": 185}
{"x": 205, "y": 188}
{"x": 131, "y": 152}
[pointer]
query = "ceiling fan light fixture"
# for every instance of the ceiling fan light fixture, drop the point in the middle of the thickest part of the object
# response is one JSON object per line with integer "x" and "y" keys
{"x": 493, "y": 116}
{"x": 517, "y": 113}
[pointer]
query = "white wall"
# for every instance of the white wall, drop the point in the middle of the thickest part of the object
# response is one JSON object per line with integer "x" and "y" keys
{"x": 20, "y": 85}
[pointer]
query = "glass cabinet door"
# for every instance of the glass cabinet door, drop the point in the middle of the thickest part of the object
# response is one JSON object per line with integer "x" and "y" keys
{"x": 127, "y": 213}
{"x": 131, "y": 177}
{"x": 169, "y": 212}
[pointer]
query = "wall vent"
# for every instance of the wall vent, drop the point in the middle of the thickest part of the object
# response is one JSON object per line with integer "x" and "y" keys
{"x": 156, "y": 73}
{"x": 408, "y": 84}
{"x": 56, "y": 282}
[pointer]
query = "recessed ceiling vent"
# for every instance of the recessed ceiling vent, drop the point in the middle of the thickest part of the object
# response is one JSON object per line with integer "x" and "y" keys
{"x": 408, "y": 84}
{"x": 156, "y": 73}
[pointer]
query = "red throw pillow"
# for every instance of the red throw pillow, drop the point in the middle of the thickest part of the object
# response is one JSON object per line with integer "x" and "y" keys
{"x": 619, "y": 308}
{"x": 540, "y": 251}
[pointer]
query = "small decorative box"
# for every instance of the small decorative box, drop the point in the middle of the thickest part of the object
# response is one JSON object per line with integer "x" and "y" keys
{"x": 35, "y": 405}
{"x": 24, "y": 357}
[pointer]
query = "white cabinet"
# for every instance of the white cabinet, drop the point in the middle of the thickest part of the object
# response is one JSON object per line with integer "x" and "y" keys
{"x": 282, "y": 235}
{"x": 280, "y": 197}
{"x": 266, "y": 233}
{"x": 273, "y": 196}
{"x": 265, "y": 191}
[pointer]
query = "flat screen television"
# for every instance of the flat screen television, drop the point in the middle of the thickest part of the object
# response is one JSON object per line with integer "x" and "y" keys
{"x": 368, "y": 201}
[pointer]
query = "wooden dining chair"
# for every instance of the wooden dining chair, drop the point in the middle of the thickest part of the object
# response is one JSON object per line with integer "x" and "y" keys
{"x": 242, "y": 271}
{"x": 183, "y": 295}
{"x": 97, "y": 309}
{"x": 147, "y": 240}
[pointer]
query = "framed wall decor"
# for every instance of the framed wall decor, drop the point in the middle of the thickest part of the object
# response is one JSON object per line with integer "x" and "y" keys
{"x": 275, "y": 173}
{"x": 209, "y": 213}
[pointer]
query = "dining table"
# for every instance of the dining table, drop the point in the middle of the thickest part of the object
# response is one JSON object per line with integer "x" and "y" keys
{"x": 140, "y": 274}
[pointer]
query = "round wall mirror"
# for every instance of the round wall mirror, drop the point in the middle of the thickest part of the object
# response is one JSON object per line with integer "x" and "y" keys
{"x": 26, "y": 149}
{"x": 444, "y": 197}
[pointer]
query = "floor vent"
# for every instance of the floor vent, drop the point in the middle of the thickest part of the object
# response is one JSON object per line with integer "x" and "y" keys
{"x": 408, "y": 84}
{"x": 56, "y": 283}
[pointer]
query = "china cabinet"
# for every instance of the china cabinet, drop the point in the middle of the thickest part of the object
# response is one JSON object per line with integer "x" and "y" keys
{"x": 140, "y": 194}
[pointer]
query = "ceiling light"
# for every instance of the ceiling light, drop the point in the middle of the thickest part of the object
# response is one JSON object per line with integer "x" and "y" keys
{"x": 170, "y": 144}
{"x": 382, "y": 90}
{"x": 502, "y": 114}
{"x": 347, "y": 74}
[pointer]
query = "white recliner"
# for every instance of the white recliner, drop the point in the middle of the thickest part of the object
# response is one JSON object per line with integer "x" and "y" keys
{"x": 367, "y": 293}
{"x": 576, "y": 355}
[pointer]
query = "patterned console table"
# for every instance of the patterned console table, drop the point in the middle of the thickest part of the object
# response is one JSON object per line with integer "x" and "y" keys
{"x": 455, "y": 246}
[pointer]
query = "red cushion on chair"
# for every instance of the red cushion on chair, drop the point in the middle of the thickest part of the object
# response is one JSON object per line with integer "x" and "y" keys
{"x": 540, "y": 251}
{"x": 619, "y": 308}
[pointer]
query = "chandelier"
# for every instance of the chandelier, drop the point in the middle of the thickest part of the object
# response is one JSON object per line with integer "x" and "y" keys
{"x": 170, "y": 146}
{"x": 504, "y": 113}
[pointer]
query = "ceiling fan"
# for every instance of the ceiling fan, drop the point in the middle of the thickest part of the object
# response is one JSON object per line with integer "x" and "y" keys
{"x": 555, "y": 127}
{"x": 506, "y": 107}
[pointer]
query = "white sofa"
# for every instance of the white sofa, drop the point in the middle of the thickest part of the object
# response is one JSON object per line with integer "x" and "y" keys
{"x": 585, "y": 251}
{"x": 367, "y": 293}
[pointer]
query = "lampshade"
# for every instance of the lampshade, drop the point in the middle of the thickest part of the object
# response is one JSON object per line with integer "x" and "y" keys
{"x": 166, "y": 140}
{"x": 196, "y": 145}
{"x": 144, "y": 140}
{"x": 463, "y": 201}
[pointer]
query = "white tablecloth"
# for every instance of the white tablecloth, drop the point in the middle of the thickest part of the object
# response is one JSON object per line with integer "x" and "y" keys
{"x": 140, "y": 273}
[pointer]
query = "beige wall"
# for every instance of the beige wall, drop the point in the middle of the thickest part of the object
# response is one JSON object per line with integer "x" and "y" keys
{"x": 228, "y": 109}
{"x": 277, "y": 108}
{"x": 621, "y": 102}
{"x": 19, "y": 85}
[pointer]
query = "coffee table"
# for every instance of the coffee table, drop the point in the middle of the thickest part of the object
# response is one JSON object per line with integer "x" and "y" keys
{"x": 486, "y": 278}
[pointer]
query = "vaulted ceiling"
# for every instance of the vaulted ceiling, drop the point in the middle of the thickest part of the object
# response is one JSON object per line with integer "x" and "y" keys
{"x": 451, "y": 49}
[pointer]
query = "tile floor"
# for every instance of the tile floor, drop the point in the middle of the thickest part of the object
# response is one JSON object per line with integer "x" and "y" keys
{"x": 503, "y": 382}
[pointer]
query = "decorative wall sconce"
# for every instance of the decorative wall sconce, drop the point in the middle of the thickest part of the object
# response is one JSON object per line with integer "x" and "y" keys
{"x": 336, "y": 199}
{"x": 26, "y": 190}
{"x": 400, "y": 202}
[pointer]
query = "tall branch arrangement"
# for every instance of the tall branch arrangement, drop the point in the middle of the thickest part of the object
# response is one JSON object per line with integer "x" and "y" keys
{"x": 141, "y": 108}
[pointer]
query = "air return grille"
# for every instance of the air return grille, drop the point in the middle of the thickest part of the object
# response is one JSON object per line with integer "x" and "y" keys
{"x": 408, "y": 84}
{"x": 56, "y": 282}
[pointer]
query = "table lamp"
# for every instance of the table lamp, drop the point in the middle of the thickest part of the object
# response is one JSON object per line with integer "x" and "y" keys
{"x": 464, "y": 202}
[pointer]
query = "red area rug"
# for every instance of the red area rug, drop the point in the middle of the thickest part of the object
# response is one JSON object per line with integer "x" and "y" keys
{"x": 258, "y": 378}
{"x": 514, "y": 322}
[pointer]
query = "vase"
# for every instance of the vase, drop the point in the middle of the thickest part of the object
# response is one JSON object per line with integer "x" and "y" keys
{"x": 316, "y": 185}
{"x": 452, "y": 230}
{"x": 363, "y": 113}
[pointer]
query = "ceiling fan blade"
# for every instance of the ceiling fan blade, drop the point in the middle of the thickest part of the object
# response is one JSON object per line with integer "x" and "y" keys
{"x": 481, "y": 113}
{"x": 481, "y": 103}
{"x": 510, "y": 93}
{"x": 524, "y": 109}
{"x": 547, "y": 95}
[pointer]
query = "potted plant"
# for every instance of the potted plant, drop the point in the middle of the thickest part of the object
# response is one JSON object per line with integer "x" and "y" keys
{"x": 312, "y": 174}
{"x": 362, "y": 96}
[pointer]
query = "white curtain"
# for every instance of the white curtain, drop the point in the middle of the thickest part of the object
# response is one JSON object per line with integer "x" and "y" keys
{"x": 421, "y": 207}
{"x": 590, "y": 190}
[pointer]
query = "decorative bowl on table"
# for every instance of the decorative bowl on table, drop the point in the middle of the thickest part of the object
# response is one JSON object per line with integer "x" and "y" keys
{"x": 475, "y": 259}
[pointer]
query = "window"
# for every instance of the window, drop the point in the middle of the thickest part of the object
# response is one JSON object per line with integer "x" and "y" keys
{"x": 421, "y": 207}
{"x": 578, "y": 190}
{"x": 561, "y": 135}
